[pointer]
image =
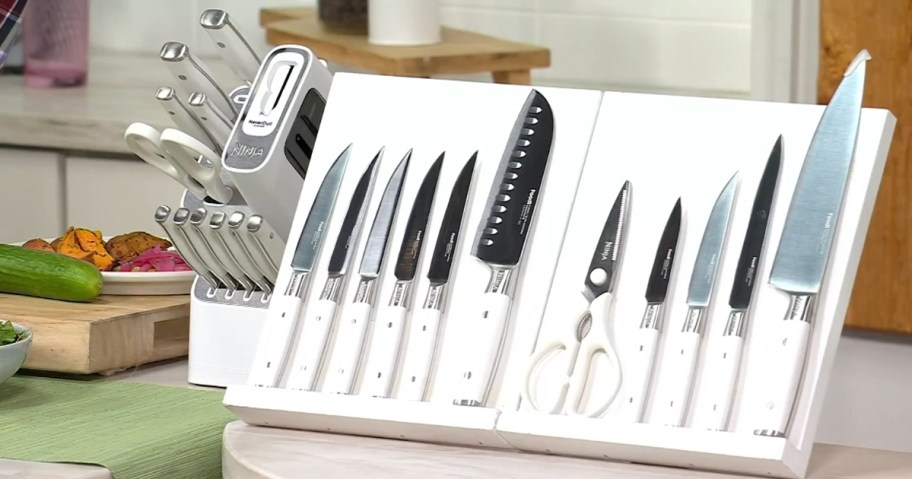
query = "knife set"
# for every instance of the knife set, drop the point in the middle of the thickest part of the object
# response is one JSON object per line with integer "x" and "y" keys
{"x": 608, "y": 275}
{"x": 242, "y": 154}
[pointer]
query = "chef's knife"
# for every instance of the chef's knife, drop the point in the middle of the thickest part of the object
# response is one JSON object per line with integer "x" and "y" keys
{"x": 421, "y": 342}
{"x": 194, "y": 76}
{"x": 217, "y": 124}
{"x": 215, "y": 250}
{"x": 185, "y": 119}
{"x": 804, "y": 248}
{"x": 226, "y": 242}
{"x": 720, "y": 375}
{"x": 500, "y": 241}
{"x": 349, "y": 339}
{"x": 673, "y": 392}
{"x": 311, "y": 344}
{"x": 282, "y": 321}
{"x": 232, "y": 46}
{"x": 637, "y": 369}
{"x": 201, "y": 247}
{"x": 383, "y": 351}
{"x": 184, "y": 248}
{"x": 236, "y": 224}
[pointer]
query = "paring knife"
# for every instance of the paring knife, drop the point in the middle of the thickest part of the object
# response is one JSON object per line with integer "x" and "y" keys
{"x": 235, "y": 252}
{"x": 309, "y": 353}
{"x": 234, "y": 49}
{"x": 188, "y": 253}
{"x": 217, "y": 124}
{"x": 349, "y": 338}
{"x": 713, "y": 400}
{"x": 284, "y": 309}
{"x": 205, "y": 254}
{"x": 804, "y": 248}
{"x": 236, "y": 223}
{"x": 194, "y": 76}
{"x": 216, "y": 253}
{"x": 674, "y": 391}
{"x": 421, "y": 342}
{"x": 388, "y": 326}
{"x": 500, "y": 241}
{"x": 185, "y": 119}
{"x": 267, "y": 242}
{"x": 637, "y": 370}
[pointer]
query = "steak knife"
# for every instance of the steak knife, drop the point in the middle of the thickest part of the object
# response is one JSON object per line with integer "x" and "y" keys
{"x": 673, "y": 393}
{"x": 311, "y": 345}
{"x": 235, "y": 251}
{"x": 421, "y": 342}
{"x": 637, "y": 370}
{"x": 281, "y": 323}
{"x": 349, "y": 343}
{"x": 235, "y": 225}
{"x": 804, "y": 247}
{"x": 234, "y": 49}
{"x": 501, "y": 238}
{"x": 194, "y": 76}
{"x": 383, "y": 350}
{"x": 713, "y": 399}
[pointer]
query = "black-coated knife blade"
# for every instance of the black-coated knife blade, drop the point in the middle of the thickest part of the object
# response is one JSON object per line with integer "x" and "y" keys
{"x": 354, "y": 218}
{"x": 415, "y": 228}
{"x": 448, "y": 236}
{"x": 657, "y": 287}
{"x": 516, "y": 190}
{"x": 749, "y": 261}
{"x": 601, "y": 276}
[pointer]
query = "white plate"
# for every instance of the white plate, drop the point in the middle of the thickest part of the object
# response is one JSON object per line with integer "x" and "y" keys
{"x": 137, "y": 283}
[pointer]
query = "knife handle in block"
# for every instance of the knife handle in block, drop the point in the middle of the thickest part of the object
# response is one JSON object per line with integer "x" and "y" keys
{"x": 638, "y": 375}
{"x": 481, "y": 357}
{"x": 232, "y": 46}
{"x": 420, "y": 348}
{"x": 714, "y": 398}
{"x": 673, "y": 391}
{"x": 275, "y": 340}
{"x": 347, "y": 348}
{"x": 783, "y": 371}
{"x": 195, "y": 76}
{"x": 383, "y": 354}
{"x": 305, "y": 366}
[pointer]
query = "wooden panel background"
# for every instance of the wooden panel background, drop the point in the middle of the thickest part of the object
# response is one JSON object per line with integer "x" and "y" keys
{"x": 882, "y": 297}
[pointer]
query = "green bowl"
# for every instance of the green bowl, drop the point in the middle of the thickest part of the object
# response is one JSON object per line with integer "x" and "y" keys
{"x": 13, "y": 355}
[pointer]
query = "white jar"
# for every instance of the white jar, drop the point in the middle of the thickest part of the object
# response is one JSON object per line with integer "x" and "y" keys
{"x": 403, "y": 22}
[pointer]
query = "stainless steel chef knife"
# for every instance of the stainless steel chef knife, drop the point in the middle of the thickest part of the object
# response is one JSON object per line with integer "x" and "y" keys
{"x": 804, "y": 247}
{"x": 194, "y": 76}
{"x": 720, "y": 375}
{"x": 349, "y": 340}
{"x": 185, "y": 119}
{"x": 674, "y": 391}
{"x": 637, "y": 369}
{"x": 281, "y": 326}
{"x": 310, "y": 349}
{"x": 389, "y": 324}
{"x": 500, "y": 241}
{"x": 421, "y": 342}
{"x": 232, "y": 46}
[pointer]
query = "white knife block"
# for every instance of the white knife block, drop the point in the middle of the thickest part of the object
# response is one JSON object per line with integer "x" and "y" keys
{"x": 668, "y": 147}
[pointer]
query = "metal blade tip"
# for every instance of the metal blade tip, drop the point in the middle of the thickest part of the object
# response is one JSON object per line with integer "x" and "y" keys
{"x": 859, "y": 59}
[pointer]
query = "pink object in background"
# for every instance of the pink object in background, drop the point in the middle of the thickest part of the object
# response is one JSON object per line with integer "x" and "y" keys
{"x": 56, "y": 41}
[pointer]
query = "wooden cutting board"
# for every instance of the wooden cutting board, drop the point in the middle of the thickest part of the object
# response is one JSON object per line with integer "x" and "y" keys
{"x": 108, "y": 335}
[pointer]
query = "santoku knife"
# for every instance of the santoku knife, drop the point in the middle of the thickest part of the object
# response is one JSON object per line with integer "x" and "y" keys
{"x": 421, "y": 342}
{"x": 309, "y": 354}
{"x": 501, "y": 238}
{"x": 349, "y": 339}
{"x": 281, "y": 323}
{"x": 389, "y": 324}
{"x": 234, "y": 49}
{"x": 194, "y": 76}
{"x": 712, "y": 402}
{"x": 804, "y": 247}
{"x": 637, "y": 370}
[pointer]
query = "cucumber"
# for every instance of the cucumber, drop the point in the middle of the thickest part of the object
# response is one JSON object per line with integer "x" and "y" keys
{"x": 47, "y": 275}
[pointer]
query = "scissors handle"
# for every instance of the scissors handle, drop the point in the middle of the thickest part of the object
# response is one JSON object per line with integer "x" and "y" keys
{"x": 597, "y": 342}
{"x": 545, "y": 357}
{"x": 145, "y": 141}
{"x": 185, "y": 150}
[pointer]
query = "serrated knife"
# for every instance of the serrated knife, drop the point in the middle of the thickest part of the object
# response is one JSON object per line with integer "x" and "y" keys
{"x": 421, "y": 342}
{"x": 349, "y": 338}
{"x": 389, "y": 324}
{"x": 804, "y": 247}
{"x": 281, "y": 325}
{"x": 232, "y": 46}
{"x": 673, "y": 392}
{"x": 712, "y": 402}
{"x": 500, "y": 240}
{"x": 637, "y": 369}
{"x": 310, "y": 351}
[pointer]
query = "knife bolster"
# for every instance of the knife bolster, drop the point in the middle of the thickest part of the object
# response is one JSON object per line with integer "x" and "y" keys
{"x": 652, "y": 317}
{"x": 365, "y": 291}
{"x": 693, "y": 323}
{"x": 400, "y": 294}
{"x": 499, "y": 283}
{"x": 800, "y": 306}
{"x": 296, "y": 285}
{"x": 735, "y": 324}
{"x": 434, "y": 298}
{"x": 331, "y": 289}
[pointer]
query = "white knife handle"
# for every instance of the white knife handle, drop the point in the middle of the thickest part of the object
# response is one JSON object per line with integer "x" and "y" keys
{"x": 478, "y": 368}
{"x": 673, "y": 391}
{"x": 305, "y": 366}
{"x": 713, "y": 400}
{"x": 275, "y": 341}
{"x": 638, "y": 375}
{"x": 419, "y": 355}
{"x": 232, "y": 46}
{"x": 346, "y": 354}
{"x": 194, "y": 76}
{"x": 383, "y": 354}
{"x": 783, "y": 372}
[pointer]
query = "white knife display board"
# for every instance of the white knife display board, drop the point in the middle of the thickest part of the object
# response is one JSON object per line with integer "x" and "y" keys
{"x": 667, "y": 147}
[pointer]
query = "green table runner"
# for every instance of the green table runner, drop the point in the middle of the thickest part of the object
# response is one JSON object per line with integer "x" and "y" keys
{"x": 135, "y": 430}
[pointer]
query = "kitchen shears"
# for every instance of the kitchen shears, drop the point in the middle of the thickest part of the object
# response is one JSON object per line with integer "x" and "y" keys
{"x": 592, "y": 338}
{"x": 180, "y": 156}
